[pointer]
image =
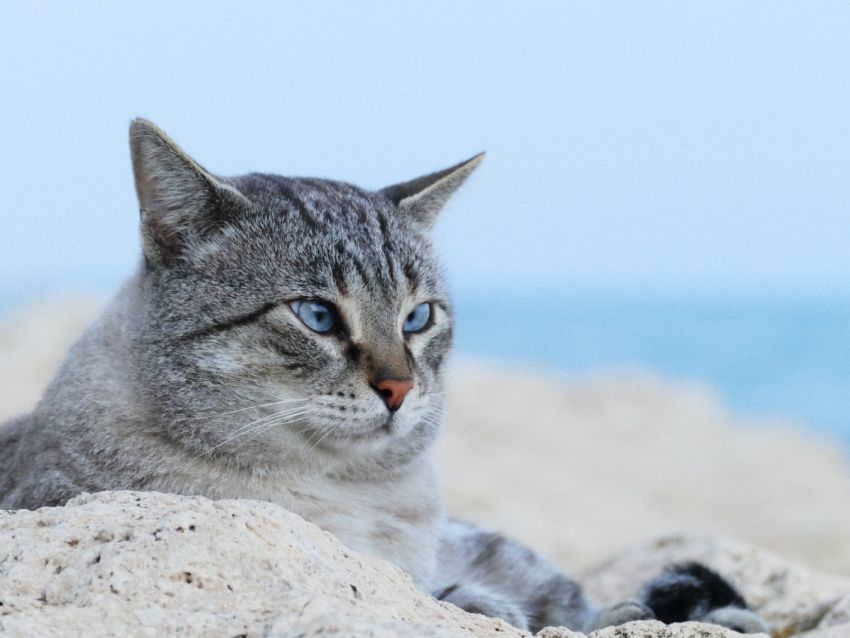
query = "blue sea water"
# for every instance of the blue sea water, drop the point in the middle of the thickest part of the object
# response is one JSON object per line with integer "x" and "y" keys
{"x": 785, "y": 358}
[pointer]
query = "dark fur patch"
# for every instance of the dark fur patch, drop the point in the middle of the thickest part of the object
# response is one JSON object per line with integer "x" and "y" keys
{"x": 689, "y": 591}
{"x": 339, "y": 279}
{"x": 353, "y": 352}
{"x": 448, "y": 591}
{"x": 493, "y": 546}
{"x": 411, "y": 275}
{"x": 229, "y": 324}
{"x": 299, "y": 204}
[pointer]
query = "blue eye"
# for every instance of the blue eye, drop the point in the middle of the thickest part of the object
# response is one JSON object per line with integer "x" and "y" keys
{"x": 418, "y": 319}
{"x": 317, "y": 316}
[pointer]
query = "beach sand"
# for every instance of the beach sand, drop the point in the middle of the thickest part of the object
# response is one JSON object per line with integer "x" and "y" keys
{"x": 578, "y": 468}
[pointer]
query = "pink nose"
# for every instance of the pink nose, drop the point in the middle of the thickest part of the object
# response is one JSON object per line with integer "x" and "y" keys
{"x": 393, "y": 391}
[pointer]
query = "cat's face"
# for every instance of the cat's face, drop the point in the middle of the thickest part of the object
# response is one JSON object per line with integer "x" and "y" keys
{"x": 292, "y": 317}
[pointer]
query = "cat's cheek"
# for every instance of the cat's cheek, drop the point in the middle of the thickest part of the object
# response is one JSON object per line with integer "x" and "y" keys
{"x": 221, "y": 361}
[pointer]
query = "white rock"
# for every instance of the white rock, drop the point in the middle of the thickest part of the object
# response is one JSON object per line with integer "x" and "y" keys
{"x": 148, "y": 564}
{"x": 838, "y": 614}
{"x": 654, "y": 629}
{"x": 792, "y": 599}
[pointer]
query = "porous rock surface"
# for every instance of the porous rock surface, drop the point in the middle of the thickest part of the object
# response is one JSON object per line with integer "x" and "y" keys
{"x": 149, "y": 564}
{"x": 136, "y": 563}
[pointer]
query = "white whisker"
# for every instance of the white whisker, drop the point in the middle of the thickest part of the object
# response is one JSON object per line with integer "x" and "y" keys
{"x": 250, "y": 407}
{"x": 278, "y": 418}
{"x": 269, "y": 417}
{"x": 265, "y": 427}
{"x": 320, "y": 439}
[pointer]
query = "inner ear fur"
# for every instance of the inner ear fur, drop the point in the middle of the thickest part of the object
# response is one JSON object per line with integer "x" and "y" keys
{"x": 180, "y": 201}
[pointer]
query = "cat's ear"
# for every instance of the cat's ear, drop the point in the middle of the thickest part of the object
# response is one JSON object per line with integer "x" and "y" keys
{"x": 180, "y": 202}
{"x": 422, "y": 199}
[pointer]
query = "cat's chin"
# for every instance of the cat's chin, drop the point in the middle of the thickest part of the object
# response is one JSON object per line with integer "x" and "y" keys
{"x": 369, "y": 436}
{"x": 341, "y": 437}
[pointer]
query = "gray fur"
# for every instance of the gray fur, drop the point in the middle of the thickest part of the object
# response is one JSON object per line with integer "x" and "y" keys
{"x": 480, "y": 570}
{"x": 198, "y": 378}
{"x": 737, "y": 619}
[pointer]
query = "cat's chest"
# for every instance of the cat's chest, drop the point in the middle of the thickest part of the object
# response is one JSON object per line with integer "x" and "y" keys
{"x": 396, "y": 520}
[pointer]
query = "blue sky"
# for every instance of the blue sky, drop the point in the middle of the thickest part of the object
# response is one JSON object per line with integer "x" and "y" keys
{"x": 696, "y": 147}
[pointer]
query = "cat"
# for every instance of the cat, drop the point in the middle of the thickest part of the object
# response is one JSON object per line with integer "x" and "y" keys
{"x": 285, "y": 340}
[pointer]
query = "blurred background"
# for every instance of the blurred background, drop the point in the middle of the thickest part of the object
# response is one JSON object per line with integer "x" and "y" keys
{"x": 667, "y": 185}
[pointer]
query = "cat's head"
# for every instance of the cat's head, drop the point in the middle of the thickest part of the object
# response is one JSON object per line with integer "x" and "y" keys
{"x": 288, "y": 318}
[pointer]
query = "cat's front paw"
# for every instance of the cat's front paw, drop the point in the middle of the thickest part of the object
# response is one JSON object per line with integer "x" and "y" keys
{"x": 621, "y": 613}
{"x": 476, "y": 599}
{"x": 692, "y": 591}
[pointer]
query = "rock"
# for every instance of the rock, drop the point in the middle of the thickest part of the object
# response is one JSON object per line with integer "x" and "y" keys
{"x": 790, "y": 598}
{"x": 149, "y": 564}
{"x": 654, "y": 629}
{"x": 838, "y": 614}
{"x": 602, "y": 462}
{"x": 835, "y": 622}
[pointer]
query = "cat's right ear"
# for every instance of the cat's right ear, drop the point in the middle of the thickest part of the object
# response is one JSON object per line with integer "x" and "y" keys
{"x": 420, "y": 200}
{"x": 179, "y": 201}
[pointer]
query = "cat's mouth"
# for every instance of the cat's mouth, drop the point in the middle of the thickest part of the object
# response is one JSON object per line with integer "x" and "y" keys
{"x": 367, "y": 434}
{"x": 340, "y": 434}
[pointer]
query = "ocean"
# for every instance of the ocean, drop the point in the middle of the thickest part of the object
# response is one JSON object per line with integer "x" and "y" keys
{"x": 786, "y": 359}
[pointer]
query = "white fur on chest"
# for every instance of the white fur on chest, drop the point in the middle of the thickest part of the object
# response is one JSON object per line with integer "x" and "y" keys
{"x": 397, "y": 519}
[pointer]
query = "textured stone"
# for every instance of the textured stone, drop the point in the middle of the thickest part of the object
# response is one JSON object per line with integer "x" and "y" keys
{"x": 791, "y": 598}
{"x": 147, "y": 564}
{"x": 838, "y": 614}
{"x": 654, "y": 629}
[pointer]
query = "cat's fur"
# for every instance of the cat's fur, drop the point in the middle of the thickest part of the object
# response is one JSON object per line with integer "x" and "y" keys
{"x": 199, "y": 378}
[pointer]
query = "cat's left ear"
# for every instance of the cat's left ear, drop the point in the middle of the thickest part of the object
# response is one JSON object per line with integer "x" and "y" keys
{"x": 422, "y": 199}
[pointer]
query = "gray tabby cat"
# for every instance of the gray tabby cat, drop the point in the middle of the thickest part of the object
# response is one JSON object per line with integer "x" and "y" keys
{"x": 285, "y": 340}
